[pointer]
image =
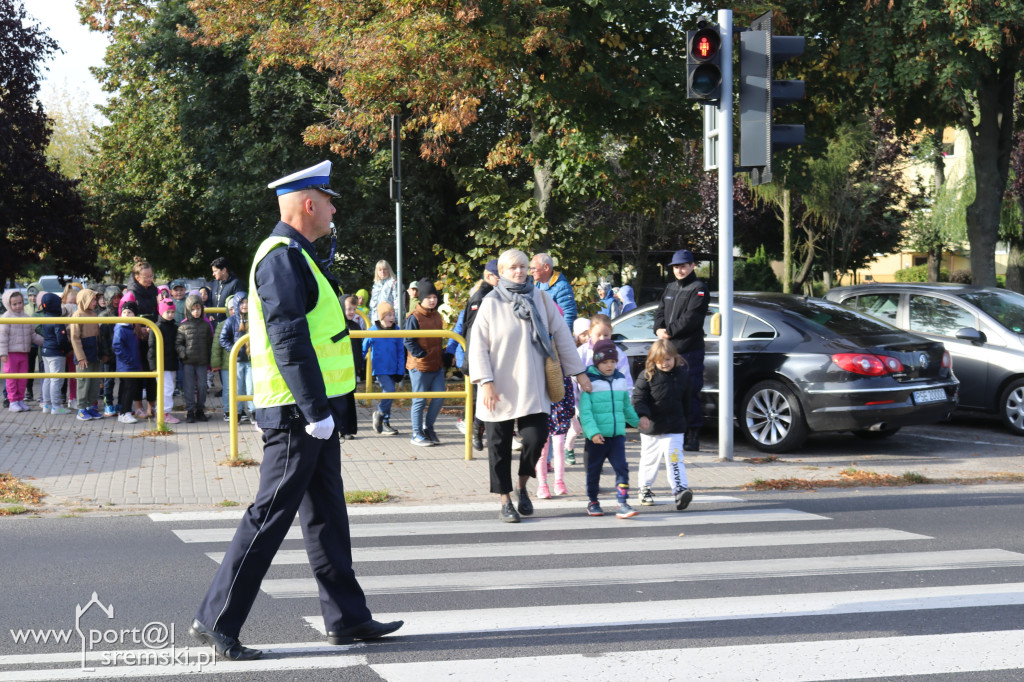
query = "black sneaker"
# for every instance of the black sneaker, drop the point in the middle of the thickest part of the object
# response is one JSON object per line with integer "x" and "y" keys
{"x": 646, "y": 496}
{"x": 387, "y": 429}
{"x": 190, "y": 418}
{"x": 201, "y": 416}
{"x": 431, "y": 436}
{"x": 227, "y": 416}
{"x": 683, "y": 498}
{"x": 525, "y": 506}
{"x": 508, "y": 513}
{"x": 378, "y": 421}
{"x": 243, "y": 418}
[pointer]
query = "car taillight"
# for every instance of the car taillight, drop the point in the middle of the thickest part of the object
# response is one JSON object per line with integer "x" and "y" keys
{"x": 947, "y": 360}
{"x": 867, "y": 364}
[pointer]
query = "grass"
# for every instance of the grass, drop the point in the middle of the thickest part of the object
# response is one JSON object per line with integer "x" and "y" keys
{"x": 366, "y": 496}
{"x": 17, "y": 496}
{"x": 227, "y": 503}
{"x": 160, "y": 430}
{"x": 240, "y": 462}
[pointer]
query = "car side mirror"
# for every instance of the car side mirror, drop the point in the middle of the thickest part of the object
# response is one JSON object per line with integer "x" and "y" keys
{"x": 971, "y": 335}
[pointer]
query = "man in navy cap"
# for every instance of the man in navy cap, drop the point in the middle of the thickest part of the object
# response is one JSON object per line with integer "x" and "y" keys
{"x": 680, "y": 319}
{"x": 302, "y": 373}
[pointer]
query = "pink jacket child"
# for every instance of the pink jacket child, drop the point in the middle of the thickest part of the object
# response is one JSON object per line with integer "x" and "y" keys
{"x": 15, "y": 343}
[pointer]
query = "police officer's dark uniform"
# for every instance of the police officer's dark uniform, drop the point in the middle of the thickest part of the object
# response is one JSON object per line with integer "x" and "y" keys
{"x": 681, "y": 312}
{"x": 302, "y": 371}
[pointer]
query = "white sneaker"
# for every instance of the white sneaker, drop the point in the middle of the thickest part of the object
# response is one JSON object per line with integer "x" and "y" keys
{"x": 517, "y": 443}
{"x": 461, "y": 426}
{"x": 23, "y": 406}
{"x": 73, "y": 404}
{"x": 127, "y": 418}
{"x": 13, "y": 408}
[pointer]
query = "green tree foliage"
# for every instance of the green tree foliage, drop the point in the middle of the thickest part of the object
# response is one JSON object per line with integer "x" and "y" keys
{"x": 41, "y": 214}
{"x": 756, "y": 274}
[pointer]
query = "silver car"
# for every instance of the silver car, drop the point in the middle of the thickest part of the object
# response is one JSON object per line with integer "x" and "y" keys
{"x": 982, "y": 327}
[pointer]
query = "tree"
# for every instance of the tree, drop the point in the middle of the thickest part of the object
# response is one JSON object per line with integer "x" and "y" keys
{"x": 41, "y": 213}
{"x": 930, "y": 65}
{"x": 73, "y": 119}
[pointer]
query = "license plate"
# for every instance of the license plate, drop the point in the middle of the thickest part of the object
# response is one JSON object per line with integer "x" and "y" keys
{"x": 930, "y": 396}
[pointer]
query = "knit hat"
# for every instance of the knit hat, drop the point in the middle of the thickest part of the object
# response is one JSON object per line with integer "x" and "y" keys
{"x": 128, "y": 305}
{"x": 581, "y": 325}
{"x": 605, "y": 349}
{"x": 164, "y": 305}
{"x": 426, "y": 288}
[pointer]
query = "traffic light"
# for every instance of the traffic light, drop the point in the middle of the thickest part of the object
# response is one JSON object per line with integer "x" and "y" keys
{"x": 704, "y": 63}
{"x": 760, "y": 95}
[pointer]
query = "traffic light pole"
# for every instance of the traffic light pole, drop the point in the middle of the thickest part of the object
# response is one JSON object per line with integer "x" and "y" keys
{"x": 725, "y": 239}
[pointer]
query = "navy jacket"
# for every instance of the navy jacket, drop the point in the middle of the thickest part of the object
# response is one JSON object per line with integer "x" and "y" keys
{"x": 288, "y": 291}
{"x": 684, "y": 303}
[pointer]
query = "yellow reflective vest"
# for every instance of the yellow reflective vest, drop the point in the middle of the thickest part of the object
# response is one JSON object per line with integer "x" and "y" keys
{"x": 327, "y": 329}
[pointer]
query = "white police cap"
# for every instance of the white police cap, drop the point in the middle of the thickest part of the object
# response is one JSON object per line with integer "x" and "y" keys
{"x": 314, "y": 177}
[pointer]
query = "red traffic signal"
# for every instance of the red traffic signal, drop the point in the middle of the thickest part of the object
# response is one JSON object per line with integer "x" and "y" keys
{"x": 704, "y": 64}
{"x": 705, "y": 44}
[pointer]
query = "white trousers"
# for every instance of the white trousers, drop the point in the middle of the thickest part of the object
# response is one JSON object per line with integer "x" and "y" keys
{"x": 654, "y": 449}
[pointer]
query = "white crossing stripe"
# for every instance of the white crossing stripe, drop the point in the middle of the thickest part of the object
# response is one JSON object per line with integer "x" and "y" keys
{"x": 604, "y": 545}
{"x": 387, "y": 509}
{"x": 132, "y": 663}
{"x": 591, "y": 576}
{"x": 535, "y": 524}
{"x": 851, "y": 659}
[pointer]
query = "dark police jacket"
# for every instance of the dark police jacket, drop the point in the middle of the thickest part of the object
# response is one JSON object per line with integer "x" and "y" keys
{"x": 288, "y": 292}
{"x": 684, "y": 303}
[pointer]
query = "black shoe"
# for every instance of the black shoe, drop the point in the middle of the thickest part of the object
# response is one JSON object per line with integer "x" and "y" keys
{"x": 7, "y": 403}
{"x": 227, "y": 648}
{"x": 190, "y": 418}
{"x": 508, "y": 513}
{"x": 243, "y": 418}
{"x": 478, "y": 437}
{"x": 227, "y": 416}
{"x": 431, "y": 436}
{"x": 371, "y": 629}
{"x": 218, "y": 394}
{"x": 525, "y": 506}
{"x": 388, "y": 429}
{"x": 201, "y": 416}
{"x": 691, "y": 441}
{"x": 683, "y": 498}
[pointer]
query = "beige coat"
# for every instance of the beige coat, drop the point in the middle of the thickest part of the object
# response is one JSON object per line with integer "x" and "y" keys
{"x": 76, "y": 332}
{"x": 502, "y": 351}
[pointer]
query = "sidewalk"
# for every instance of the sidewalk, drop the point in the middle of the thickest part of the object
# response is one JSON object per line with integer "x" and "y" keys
{"x": 107, "y": 465}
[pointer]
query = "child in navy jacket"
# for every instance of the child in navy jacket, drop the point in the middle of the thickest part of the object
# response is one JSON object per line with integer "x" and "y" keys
{"x": 388, "y": 365}
{"x": 126, "y": 352}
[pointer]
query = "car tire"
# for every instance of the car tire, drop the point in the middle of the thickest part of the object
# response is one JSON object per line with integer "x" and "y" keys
{"x": 772, "y": 418}
{"x": 868, "y": 434}
{"x": 1011, "y": 407}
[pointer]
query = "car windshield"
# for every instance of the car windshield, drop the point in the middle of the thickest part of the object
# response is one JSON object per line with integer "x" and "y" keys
{"x": 1005, "y": 307}
{"x": 836, "y": 318}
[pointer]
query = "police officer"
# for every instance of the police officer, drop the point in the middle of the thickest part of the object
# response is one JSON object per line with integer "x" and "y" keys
{"x": 302, "y": 370}
{"x": 680, "y": 319}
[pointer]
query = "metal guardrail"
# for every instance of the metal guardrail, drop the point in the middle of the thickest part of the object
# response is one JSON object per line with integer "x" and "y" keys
{"x": 157, "y": 374}
{"x": 464, "y": 394}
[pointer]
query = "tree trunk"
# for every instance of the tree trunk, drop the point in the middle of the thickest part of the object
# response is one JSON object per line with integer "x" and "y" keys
{"x": 939, "y": 163}
{"x": 991, "y": 144}
{"x": 934, "y": 264}
{"x": 543, "y": 180}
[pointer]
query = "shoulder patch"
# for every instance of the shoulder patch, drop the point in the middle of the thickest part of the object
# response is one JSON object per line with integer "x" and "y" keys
{"x": 700, "y": 293}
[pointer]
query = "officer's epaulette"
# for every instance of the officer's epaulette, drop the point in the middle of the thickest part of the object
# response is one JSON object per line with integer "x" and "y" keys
{"x": 294, "y": 244}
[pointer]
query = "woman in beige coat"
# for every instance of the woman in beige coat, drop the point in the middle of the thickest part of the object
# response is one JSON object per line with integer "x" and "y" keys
{"x": 516, "y": 328}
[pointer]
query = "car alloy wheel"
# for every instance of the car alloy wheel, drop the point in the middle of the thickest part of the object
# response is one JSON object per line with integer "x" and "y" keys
{"x": 773, "y": 420}
{"x": 1012, "y": 404}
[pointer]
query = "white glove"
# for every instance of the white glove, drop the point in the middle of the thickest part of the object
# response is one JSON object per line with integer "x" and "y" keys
{"x": 321, "y": 429}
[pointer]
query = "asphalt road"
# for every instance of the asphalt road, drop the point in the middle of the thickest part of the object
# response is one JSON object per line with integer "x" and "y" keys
{"x": 769, "y": 586}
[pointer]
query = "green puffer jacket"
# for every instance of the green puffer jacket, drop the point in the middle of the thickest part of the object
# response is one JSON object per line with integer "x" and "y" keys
{"x": 607, "y": 408}
{"x": 218, "y": 356}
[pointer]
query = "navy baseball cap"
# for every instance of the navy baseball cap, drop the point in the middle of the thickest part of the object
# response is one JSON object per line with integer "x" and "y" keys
{"x": 681, "y": 257}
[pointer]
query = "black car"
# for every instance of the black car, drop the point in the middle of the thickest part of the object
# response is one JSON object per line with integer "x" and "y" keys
{"x": 982, "y": 327}
{"x": 805, "y": 365}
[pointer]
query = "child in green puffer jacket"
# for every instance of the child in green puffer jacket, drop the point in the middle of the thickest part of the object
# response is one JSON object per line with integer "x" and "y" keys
{"x": 604, "y": 413}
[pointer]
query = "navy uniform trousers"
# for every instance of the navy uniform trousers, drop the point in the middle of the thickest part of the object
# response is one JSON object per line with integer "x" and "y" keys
{"x": 299, "y": 474}
{"x": 695, "y": 361}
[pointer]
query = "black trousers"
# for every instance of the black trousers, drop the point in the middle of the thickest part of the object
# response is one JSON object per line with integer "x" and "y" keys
{"x": 533, "y": 429}
{"x": 299, "y": 474}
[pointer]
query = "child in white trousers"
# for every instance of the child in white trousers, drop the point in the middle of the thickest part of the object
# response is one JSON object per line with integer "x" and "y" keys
{"x": 661, "y": 396}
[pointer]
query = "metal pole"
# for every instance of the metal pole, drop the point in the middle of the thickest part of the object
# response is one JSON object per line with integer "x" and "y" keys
{"x": 396, "y": 196}
{"x": 725, "y": 239}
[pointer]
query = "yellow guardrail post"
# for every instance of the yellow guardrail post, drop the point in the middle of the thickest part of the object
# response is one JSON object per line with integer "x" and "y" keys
{"x": 157, "y": 374}
{"x": 359, "y": 334}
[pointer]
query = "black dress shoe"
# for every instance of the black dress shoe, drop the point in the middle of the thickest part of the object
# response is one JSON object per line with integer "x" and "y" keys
{"x": 525, "y": 506}
{"x": 508, "y": 513}
{"x": 227, "y": 648}
{"x": 371, "y": 629}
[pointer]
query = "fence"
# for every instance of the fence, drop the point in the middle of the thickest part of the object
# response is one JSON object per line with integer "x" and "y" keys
{"x": 367, "y": 395}
{"x": 157, "y": 373}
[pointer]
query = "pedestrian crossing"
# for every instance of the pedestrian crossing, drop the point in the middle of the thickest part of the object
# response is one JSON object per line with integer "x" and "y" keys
{"x": 454, "y": 579}
{"x": 725, "y": 591}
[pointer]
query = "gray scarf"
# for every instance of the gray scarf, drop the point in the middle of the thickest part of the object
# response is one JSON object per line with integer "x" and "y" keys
{"x": 520, "y": 296}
